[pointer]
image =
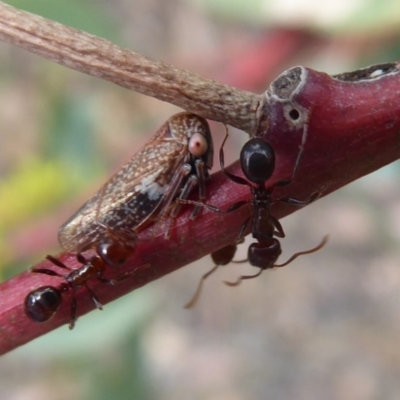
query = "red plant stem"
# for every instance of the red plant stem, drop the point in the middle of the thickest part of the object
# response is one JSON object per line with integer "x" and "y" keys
{"x": 353, "y": 129}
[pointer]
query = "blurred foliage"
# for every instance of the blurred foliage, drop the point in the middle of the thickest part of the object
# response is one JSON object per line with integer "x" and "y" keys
{"x": 85, "y": 15}
{"x": 341, "y": 17}
{"x": 34, "y": 188}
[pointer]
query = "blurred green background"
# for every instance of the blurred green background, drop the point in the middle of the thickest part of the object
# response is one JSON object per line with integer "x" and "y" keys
{"x": 327, "y": 326}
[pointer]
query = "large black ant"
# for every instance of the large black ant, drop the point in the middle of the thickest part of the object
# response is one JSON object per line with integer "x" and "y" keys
{"x": 257, "y": 160}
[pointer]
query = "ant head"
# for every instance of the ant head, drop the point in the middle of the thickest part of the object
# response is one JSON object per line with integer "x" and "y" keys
{"x": 257, "y": 159}
{"x": 42, "y": 303}
{"x": 114, "y": 253}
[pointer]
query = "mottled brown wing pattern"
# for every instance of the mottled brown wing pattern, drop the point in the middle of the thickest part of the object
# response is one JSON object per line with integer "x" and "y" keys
{"x": 130, "y": 197}
{"x": 120, "y": 198}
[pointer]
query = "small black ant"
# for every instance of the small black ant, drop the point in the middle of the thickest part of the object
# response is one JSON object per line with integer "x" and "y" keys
{"x": 42, "y": 303}
{"x": 257, "y": 160}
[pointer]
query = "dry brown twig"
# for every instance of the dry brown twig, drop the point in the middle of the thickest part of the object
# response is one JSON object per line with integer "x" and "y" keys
{"x": 353, "y": 127}
{"x": 100, "y": 58}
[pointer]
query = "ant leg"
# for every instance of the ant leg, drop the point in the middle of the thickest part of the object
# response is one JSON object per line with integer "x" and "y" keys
{"x": 277, "y": 225}
{"x": 94, "y": 298}
{"x": 301, "y": 149}
{"x": 73, "y": 314}
{"x": 111, "y": 282}
{"x": 313, "y": 250}
{"x": 196, "y": 295}
{"x": 240, "y": 237}
{"x": 296, "y": 202}
{"x": 57, "y": 262}
{"x": 222, "y": 256}
{"x": 221, "y": 149}
{"x": 242, "y": 277}
{"x": 212, "y": 208}
{"x": 124, "y": 276}
{"x": 287, "y": 181}
{"x": 46, "y": 271}
{"x": 232, "y": 177}
{"x": 81, "y": 258}
{"x": 240, "y": 261}
{"x": 74, "y": 306}
{"x": 73, "y": 310}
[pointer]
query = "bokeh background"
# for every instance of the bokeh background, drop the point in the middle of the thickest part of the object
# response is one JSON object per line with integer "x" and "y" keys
{"x": 326, "y": 327}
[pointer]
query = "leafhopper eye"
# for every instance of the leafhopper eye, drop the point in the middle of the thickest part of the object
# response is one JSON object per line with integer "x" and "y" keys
{"x": 198, "y": 145}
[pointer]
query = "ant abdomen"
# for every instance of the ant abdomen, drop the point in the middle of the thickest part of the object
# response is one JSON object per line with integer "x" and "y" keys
{"x": 264, "y": 255}
{"x": 224, "y": 255}
{"x": 42, "y": 303}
